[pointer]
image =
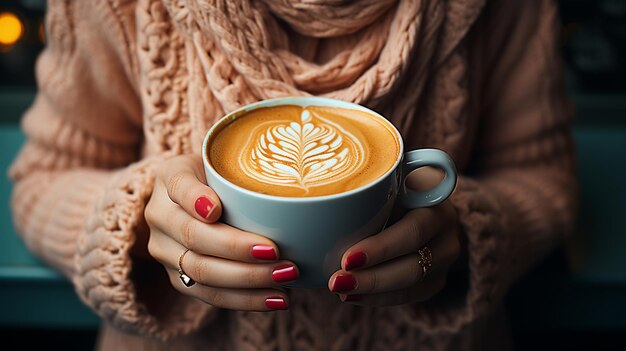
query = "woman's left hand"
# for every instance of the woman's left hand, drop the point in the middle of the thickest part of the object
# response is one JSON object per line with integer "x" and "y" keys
{"x": 385, "y": 269}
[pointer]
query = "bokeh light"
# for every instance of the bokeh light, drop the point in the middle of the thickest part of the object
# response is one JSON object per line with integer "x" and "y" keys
{"x": 11, "y": 28}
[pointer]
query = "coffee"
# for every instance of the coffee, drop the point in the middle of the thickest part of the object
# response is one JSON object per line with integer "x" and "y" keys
{"x": 299, "y": 148}
{"x": 296, "y": 151}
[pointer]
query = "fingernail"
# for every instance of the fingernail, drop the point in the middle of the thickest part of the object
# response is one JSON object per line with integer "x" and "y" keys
{"x": 355, "y": 260}
{"x": 284, "y": 273}
{"x": 276, "y": 303}
{"x": 203, "y": 206}
{"x": 343, "y": 283}
{"x": 349, "y": 298}
{"x": 264, "y": 252}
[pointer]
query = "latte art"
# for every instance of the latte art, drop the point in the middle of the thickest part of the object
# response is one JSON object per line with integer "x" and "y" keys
{"x": 304, "y": 154}
{"x": 296, "y": 151}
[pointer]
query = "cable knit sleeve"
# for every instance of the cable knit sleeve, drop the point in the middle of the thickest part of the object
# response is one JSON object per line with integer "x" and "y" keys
{"x": 80, "y": 188}
{"x": 521, "y": 197}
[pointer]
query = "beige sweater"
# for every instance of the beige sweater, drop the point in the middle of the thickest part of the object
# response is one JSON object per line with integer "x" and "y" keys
{"x": 125, "y": 84}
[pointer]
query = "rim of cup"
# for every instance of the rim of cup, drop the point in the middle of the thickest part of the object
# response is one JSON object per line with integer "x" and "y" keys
{"x": 302, "y": 101}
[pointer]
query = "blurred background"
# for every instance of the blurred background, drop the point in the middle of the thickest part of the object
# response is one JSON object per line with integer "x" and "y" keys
{"x": 574, "y": 300}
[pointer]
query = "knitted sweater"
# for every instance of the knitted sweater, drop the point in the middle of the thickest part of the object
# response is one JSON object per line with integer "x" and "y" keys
{"x": 124, "y": 85}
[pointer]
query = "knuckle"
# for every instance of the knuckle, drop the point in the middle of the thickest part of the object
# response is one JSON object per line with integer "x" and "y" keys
{"x": 253, "y": 302}
{"x": 233, "y": 247}
{"x": 373, "y": 282}
{"x": 199, "y": 269}
{"x": 188, "y": 234}
{"x": 254, "y": 278}
{"x": 215, "y": 297}
{"x": 416, "y": 233}
{"x": 174, "y": 184}
{"x": 414, "y": 225}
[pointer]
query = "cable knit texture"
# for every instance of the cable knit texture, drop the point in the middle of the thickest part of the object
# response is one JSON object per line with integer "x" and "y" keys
{"x": 126, "y": 84}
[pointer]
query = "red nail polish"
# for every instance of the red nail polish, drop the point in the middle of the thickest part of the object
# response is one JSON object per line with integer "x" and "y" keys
{"x": 353, "y": 297}
{"x": 264, "y": 252}
{"x": 203, "y": 206}
{"x": 343, "y": 283}
{"x": 355, "y": 260}
{"x": 284, "y": 273}
{"x": 276, "y": 303}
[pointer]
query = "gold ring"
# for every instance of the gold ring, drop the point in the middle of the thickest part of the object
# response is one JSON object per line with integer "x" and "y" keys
{"x": 187, "y": 281}
{"x": 425, "y": 260}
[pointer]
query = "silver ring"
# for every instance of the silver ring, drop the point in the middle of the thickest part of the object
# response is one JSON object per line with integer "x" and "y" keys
{"x": 187, "y": 281}
{"x": 425, "y": 260}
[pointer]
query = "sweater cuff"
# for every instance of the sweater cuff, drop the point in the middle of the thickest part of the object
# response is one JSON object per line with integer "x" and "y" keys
{"x": 468, "y": 294}
{"x": 49, "y": 210}
{"x": 132, "y": 293}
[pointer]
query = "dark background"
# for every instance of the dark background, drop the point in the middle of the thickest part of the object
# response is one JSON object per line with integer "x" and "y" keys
{"x": 574, "y": 300}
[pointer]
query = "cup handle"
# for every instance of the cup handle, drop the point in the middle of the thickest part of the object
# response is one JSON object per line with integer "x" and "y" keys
{"x": 427, "y": 157}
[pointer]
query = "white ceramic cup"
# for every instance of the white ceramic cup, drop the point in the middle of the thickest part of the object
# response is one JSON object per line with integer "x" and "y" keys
{"x": 314, "y": 232}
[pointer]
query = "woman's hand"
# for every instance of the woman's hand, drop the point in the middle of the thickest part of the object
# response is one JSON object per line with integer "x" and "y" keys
{"x": 385, "y": 269}
{"x": 232, "y": 269}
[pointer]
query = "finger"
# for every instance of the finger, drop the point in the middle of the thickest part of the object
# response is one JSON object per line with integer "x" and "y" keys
{"x": 217, "y": 272}
{"x": 398, "y": 273}
{"x": 185, "y": 183}
{"x": 406, "y": 236}
{"x": 234, "y": 299}
{"x": 424, "y": 178}
{"x": 215, "y": 239}
{"x": 416, "y": 293}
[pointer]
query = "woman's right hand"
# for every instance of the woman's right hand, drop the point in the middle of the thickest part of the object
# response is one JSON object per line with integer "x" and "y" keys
{"x": 233, "y": 269}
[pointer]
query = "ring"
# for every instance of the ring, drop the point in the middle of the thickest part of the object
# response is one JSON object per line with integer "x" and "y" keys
{"x": 187, "y": 281}
{"x": 425, "y": 260}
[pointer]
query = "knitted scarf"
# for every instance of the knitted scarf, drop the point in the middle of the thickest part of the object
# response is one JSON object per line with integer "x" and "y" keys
{"x": 372, "y": 52}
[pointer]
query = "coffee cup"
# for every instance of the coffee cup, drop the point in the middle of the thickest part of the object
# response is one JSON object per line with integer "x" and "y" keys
{"x": 315, "y": 175}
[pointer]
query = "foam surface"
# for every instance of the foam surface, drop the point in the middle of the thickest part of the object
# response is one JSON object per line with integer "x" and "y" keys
{"x": 300, "y": 152}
